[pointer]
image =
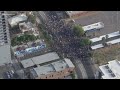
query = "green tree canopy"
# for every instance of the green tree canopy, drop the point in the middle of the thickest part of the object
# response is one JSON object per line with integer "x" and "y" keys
{"x": 85, "y": 41}
{"x": 22, "y": 39}
{"x": 78, "y": 30}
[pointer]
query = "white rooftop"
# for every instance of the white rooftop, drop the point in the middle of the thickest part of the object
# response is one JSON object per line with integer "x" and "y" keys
{"x": 44, "y": 70}
{"x": 69, "y": 63}
{"x": 52, "y": 67}
{"x": 98, "y": 25}
{"x": 97, "y": 46}
{"x": 114, "y": 41}
{"x": 115, "y": 66}
{"x": 27, "y": 63}
{"x": 40, "y": 59}
{"x": 45, "y": 58}
{"x": 60, "y": 65}
{"x": 16, "y": 19}
{"x": 111, "y": 70}
{"x": 109, "y": 36}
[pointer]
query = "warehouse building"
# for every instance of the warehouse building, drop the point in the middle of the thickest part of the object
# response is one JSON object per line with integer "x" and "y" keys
{"x": 52, "y": 56}
{"x": 56, "y": 70}
{"x": 111, "y": 70}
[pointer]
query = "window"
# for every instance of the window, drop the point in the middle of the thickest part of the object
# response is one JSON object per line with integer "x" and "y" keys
{"x": 52, "y": 75}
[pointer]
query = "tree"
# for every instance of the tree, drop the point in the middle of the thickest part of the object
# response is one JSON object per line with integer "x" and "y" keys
{"x": 85, "y": 41}
{"x": 78, "y": 30}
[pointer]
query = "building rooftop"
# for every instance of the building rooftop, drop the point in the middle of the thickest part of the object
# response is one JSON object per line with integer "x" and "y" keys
{"x": 60, "y": 65}
{"x": 70, "y": 64}
{"x": 45, "y": 58}
{"x": 111, "y": 70}
{"x": 97, "y": 46}
{"x": 52, "y": 67}
{"x": 27, "y": 63}
{"x": 4, "y": 30}
{"x": 5, "y": 55}
{"x": 114, "y": 41}
{"x": 16, "y": 19}
{"x": 40, "y": 59}
{"x": 109, "y": 36}
{"x": 115, "y": 66}
{"x": 44, "y": 70}
{"x": 95, "y": 26}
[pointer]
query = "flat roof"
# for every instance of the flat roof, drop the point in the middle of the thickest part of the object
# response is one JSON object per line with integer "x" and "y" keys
{"x": 44, "y": 70}
{"x": 60, "y": 65}
{"x": 45, "y": 58}
{"x": 109, "y": 36}
{"x": 5, "y": 54}
{"x": 111, "y": 70}
{"x": 115, "y": 66}
{"x": 70, "y": 64}
{"x": 97, "y": 46}
{"x": 109, "y": 42}
{"x": 114, "y": 41}
{"x": 52, "y": 67}
{"x": 27, "y": 63}
{"x": 98, "y": 25}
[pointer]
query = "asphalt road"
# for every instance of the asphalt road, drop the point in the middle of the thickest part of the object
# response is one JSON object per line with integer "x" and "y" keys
{"x": 57, "y": 29}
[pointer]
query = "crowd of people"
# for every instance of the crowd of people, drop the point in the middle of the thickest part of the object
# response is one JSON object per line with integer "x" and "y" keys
{"x": 65, "y": 40}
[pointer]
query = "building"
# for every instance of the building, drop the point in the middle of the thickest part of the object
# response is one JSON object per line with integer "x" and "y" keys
{"x": 56, "y": 70}
{"x": 45, "y": 58}
{"x": 5, "y": 54}
{"x": 111, "y": 70}
{"x": 17, "y": 19}
{"x": 114, "y": 38}
{"x": 93, "y": 27}
{"x": 111, "y": 35}
{"x": 92, "y": 30}
{"x": 32, "y": 47}
{"x": 28, "y": 28}
{"x": 75, "y": 13}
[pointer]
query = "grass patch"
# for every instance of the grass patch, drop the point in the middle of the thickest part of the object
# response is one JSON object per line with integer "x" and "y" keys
{"x": 102, "y": 56}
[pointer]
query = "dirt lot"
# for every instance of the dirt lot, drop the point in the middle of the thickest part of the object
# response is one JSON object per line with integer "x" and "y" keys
{"x": 111, "y": 20}
{"x": 102, "y": 56}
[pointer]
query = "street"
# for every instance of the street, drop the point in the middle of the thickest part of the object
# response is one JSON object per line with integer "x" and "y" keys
{"x": 66, "y": 42}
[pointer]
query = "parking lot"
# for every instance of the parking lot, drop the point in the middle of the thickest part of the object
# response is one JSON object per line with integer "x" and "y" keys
{"x": 4, "y": 69}
{"x": 111, "y": 20}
